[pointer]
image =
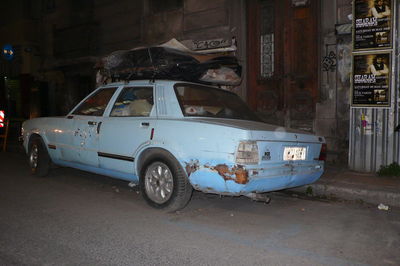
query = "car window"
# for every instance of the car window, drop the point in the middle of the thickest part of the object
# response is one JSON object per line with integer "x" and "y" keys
{"x": 95, "y": 104}
{"x": 203, "y": 101}
{"x": 134, "y": 101}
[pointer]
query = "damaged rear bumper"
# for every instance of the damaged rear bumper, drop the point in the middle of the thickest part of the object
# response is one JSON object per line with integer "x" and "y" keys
{"x": 237, "y": 180}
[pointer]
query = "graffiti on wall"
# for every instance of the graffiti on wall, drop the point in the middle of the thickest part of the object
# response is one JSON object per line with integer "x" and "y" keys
{"x": 329, "y": 62}
{"x": 368, "y": 127}
{"x": 210, "y": 44}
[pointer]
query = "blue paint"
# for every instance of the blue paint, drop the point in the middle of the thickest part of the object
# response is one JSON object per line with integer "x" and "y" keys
{"x": 210, "y": 181}
{"x": 100, "y": 171}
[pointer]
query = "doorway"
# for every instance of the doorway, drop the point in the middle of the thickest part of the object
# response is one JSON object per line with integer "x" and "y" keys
{"x": 283, "y": 61}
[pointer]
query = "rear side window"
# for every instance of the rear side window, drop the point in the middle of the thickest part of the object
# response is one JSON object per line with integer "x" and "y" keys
{"x": 203, "y": 101}
{"x": 134, "y": 101}
{"x": 95, "y": 104}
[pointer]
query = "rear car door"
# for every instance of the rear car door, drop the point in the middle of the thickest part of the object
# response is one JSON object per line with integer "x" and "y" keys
{"x": 128, "y": 128}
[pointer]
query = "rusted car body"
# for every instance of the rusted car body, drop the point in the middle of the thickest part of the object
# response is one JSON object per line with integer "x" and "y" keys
{"x": 172, "y": 136}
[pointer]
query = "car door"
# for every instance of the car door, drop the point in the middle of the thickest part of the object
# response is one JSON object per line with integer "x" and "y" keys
{"x": 128, "y": 127}
{"x": 82, "y": 144}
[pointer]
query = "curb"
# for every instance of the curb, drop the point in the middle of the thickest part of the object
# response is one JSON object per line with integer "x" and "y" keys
{"x": 371, "y": 196}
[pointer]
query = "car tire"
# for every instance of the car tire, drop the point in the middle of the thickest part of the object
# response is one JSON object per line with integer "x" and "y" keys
{"x": 39, "y": 159}
{"x": 164, "y": 184}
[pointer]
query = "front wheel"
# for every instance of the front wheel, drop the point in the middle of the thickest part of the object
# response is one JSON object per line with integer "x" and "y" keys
{"x": 165, "y": 186}
{"x": 39, "y": 159}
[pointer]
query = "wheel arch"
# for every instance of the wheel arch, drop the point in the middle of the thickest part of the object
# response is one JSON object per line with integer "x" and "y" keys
{"x": 148, "y": 155}
{"x": 34, "y": 135}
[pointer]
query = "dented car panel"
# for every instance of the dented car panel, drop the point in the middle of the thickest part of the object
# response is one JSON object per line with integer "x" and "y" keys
{"x": 221, "y": 150}
{"x": 242, "y": 180}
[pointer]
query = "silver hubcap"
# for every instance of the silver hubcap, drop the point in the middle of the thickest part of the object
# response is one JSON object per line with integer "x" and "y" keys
{"x": 159, "y": 182}
{"x": 33, "y": 158}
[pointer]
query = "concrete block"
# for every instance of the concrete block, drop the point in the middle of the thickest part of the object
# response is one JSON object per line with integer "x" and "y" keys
{"x": 196, "y": 6}
{"x": 344, "y": 2}
{"x": 206, "y": 19}
{"x": 162, "y": 27}
{"x": 208, "y": 34}
{"x": 343, "y": 13}
{"x": 325, "y": 127}
{"x": 326, "y": 109}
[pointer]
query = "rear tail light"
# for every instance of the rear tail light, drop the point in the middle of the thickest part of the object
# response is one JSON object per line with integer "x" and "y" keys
{"x": 322, "y": 153}
{"x": 247, "y": 153}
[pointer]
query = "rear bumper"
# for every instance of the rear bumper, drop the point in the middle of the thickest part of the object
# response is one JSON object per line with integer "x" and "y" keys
{"x": 258, "y": 180}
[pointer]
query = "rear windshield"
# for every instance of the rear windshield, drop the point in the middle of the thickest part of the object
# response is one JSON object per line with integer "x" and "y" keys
{"x": 203, "y": 101}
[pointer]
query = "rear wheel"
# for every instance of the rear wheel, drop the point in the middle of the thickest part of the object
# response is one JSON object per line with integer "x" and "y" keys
{"x": 164, "y": 184}
{"x": 39, "y": 159}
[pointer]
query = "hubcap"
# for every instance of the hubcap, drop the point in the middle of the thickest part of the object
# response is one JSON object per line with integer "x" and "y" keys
{"x": 33, "y": 158}
{"x": 159, "y": 182}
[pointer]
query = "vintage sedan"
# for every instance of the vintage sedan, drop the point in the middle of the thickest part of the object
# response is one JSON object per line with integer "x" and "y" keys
{"x": 171, "y": 137}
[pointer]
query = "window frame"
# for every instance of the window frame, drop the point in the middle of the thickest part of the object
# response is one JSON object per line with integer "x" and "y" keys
{"x": 95, "y": 92}
{"x": 253, "y": 117}
{"x": 121, "y": 91}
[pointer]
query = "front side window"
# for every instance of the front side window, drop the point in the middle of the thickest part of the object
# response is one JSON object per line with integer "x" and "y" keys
{"x": 203, "y": 101}
{"x": 95, "y": 104}
{"x": 134, "y": 101}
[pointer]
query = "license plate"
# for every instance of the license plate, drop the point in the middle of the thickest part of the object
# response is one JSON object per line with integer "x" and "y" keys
{"x": 294, "y": 153}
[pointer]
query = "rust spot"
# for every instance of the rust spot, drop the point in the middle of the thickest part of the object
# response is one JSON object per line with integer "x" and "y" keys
{"x": 237, "y": 173}
{"x": 192, "y": 167}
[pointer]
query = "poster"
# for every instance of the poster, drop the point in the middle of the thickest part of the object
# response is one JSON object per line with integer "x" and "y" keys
{"x": 371, "y": 79}
{"x": 372, "y": 24}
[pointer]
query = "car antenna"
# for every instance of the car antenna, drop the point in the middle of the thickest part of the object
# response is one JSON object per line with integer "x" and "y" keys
{"x": 153, "y": 79}
{"x": 129, "y": 77}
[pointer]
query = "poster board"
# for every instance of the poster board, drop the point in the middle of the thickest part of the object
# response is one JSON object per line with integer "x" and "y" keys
{"x": 372, "y": 24}
{"x": 371, "y": 79}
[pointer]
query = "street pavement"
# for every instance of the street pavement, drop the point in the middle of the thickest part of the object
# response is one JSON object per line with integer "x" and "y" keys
{"x": 77, "y": 218}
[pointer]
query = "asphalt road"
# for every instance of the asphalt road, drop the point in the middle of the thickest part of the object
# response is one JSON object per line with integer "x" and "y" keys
{"x": 78, "y": 218}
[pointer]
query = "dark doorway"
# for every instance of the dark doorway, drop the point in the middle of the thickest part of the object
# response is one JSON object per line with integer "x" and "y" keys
{"x": 283, "y": 60}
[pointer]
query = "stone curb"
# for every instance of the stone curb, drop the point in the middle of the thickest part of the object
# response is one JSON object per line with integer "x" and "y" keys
{"x": 375, "y": 197}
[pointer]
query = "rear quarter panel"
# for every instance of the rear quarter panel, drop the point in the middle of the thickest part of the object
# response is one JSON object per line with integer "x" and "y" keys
{"x": 189, "y": 141}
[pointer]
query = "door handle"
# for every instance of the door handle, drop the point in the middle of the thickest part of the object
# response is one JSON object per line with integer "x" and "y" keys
{"x": 98, "y": 127}
{"x": 92, "y": 123}
{"x": 145, "y": 124}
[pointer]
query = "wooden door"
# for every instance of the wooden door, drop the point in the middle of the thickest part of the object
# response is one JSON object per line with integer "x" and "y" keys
{"x": 282, "y": 60}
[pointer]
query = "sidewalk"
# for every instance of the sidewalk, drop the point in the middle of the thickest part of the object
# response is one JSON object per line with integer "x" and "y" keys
{"x": 341, "y": 183}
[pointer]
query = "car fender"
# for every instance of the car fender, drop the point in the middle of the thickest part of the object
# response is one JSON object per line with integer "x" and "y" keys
{"x": 35, "y": 132}
{"x": 141, "y": 155}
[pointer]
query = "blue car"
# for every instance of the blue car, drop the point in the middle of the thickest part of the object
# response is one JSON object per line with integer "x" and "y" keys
{"x": 171, "y": 137}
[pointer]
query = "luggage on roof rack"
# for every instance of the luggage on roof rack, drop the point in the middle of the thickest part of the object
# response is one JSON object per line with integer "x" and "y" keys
{"x": 160, "y": 62}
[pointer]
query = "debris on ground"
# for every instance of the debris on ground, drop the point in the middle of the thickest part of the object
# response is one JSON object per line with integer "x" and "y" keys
{"x": 132, "y": 184}
{"x": 383, "y": 207}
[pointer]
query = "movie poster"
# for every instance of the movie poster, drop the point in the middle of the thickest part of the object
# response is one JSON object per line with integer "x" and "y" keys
{"x": 372, "y": 24}
{"x": 371, "y": 79}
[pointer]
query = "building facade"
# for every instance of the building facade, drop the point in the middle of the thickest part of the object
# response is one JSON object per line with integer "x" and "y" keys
{"x": 296, "y": 54}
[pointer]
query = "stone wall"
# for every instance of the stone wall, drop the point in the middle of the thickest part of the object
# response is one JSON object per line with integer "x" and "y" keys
{"x": 332, "y": 112}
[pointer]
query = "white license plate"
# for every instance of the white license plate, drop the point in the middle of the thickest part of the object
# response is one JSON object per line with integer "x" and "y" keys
{"x": 294, "y": 153}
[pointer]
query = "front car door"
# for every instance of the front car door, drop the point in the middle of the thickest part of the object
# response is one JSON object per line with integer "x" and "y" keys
{"x": 127, "y": 129}
{"x": 81, "y": 144}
